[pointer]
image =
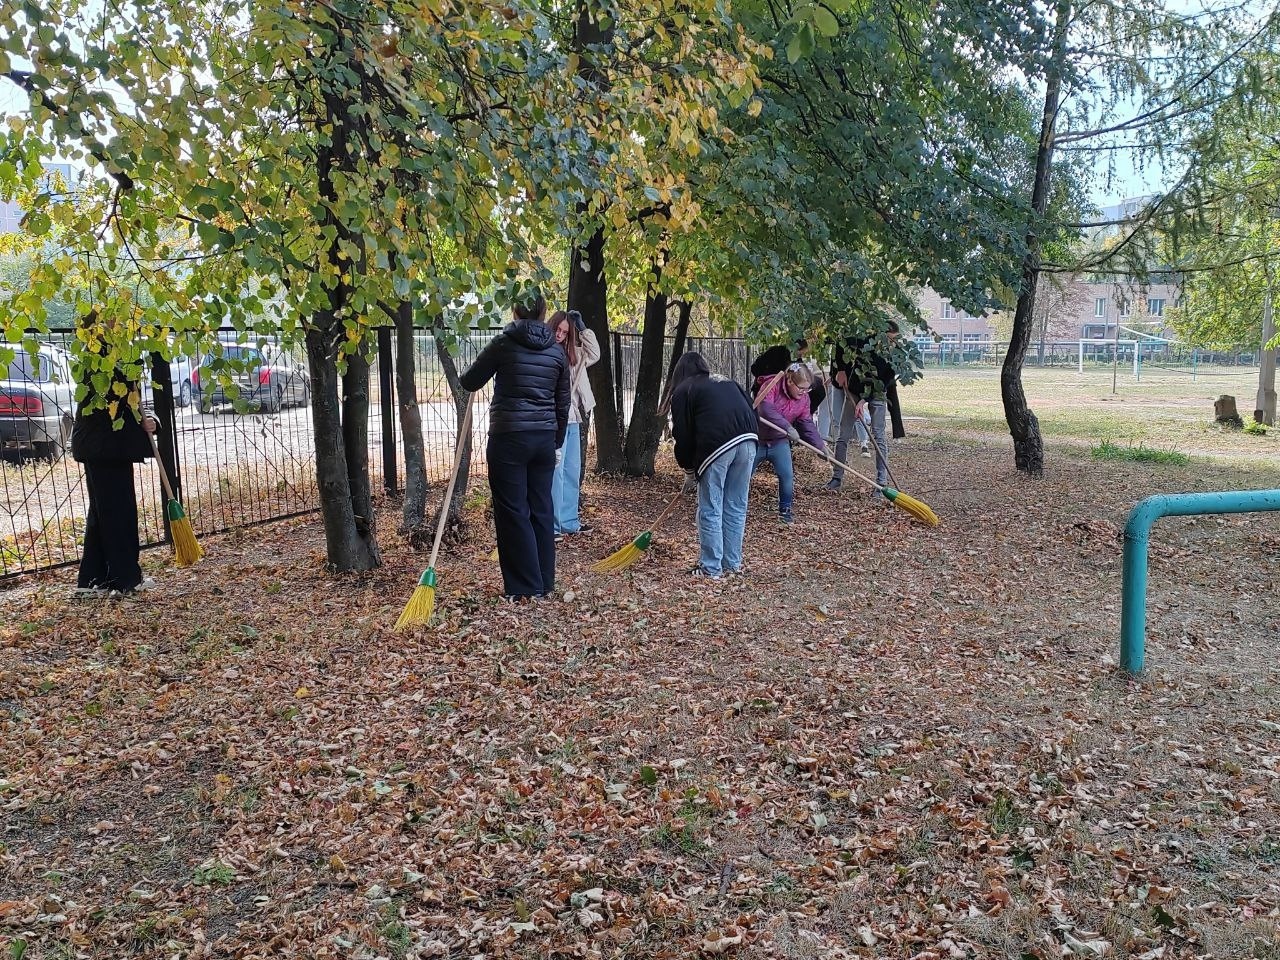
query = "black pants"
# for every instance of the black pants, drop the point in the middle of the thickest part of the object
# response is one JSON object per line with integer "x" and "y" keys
{"x": 520, "y": 468}
{"x": 110, "y": 557}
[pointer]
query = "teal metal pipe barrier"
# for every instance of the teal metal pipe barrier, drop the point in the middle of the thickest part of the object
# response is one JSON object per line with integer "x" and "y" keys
{"x": 1137, "y": 532}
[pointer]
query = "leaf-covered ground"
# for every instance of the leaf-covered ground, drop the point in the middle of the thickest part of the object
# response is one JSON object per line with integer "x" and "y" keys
{"x": 883, "y": 741}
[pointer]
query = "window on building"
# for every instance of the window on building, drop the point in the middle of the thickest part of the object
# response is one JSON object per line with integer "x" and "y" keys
{"x": 948, "y": 310}
{"x": 973, "y": 338}
{"x": 950, "y": 337}
{"x": 1124, "y": 308}
{"x": 1155, "y": 306}
{"x": 1100, "y": 307}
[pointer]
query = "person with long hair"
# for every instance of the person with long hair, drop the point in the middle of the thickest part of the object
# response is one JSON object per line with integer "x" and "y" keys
{"x": 582, "y": 349}
{"x": 785, "y": 416}
{"x": 715, "y": 430}
{"x": 528, "y": 417}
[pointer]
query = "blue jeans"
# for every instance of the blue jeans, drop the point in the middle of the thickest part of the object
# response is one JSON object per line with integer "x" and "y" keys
{"x": 566, "y": 484}
{"x": 779, "y": 454}
{"x": 723, "y": 489}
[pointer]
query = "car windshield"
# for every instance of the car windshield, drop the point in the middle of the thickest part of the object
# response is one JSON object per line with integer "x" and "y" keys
{"x": 22, "y": 367}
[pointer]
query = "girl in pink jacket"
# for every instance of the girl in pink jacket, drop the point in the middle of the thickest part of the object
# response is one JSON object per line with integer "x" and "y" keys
{"x": 784, "y": 415}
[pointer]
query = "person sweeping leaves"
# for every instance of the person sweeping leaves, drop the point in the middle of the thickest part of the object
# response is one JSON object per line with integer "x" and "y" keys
{"x": 785, "y": 415}
{"x": 109, "y": 563}
{"x": 862, "y": 371}
{"x": 715, "y": 431}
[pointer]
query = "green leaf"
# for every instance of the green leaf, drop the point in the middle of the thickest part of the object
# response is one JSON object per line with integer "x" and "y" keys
{"x": 826, "y": 22}
{"x": 648, "y": 776}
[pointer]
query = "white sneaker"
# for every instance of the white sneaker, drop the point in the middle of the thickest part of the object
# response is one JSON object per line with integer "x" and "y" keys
{"x": 866, "y": 451}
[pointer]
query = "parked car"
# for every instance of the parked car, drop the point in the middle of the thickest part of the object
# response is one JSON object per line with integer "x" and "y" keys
{"x": 265, "y": 375}
{"x": 37, "y": 403}
{"x": 180, "y": 375}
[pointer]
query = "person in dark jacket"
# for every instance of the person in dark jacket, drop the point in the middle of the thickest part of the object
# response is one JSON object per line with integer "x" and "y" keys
{"x": 528, "y": 418}
{"x": 109, "y": 560}
{"x": 715, "y": 430}
{"x": 862, "y": 371}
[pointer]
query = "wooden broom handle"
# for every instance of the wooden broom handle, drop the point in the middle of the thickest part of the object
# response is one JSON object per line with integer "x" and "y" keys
{"x": 827, "y": 457}
{"x": 767, "y": 389}
{"x": 666, "y": 512}
{"x": 464, "y": 433}
{"x": 164, "y": 476}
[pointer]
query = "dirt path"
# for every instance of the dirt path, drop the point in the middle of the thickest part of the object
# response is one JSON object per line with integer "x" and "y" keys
{"x": 884, "y": 741}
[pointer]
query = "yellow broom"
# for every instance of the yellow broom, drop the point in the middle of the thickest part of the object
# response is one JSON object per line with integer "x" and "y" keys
{"x": 186, "y": 550}
{"x": 633, "y": 551}
{"x": 916, "y": 508}
{"x": 422, "y": 603}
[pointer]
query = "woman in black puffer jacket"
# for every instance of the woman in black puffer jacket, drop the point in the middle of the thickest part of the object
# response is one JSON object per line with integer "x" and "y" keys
{"x": 528, "y": 417}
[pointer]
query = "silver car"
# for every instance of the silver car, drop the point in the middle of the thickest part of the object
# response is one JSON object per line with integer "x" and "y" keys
{"x": 37, "y": 403}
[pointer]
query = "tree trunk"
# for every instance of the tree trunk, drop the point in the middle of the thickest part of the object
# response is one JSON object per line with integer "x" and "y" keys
{"x": 588, "y": 286}
{"x": 413, "y": 516}
{"x": 345, "y": 548}
{"x": 342, "y": 471}
{"x": 1028, "y": 446}
{"x": 460, "y": 400}
{"x": 1265, "y": 407}
{"x": 644, "y": 431}
{"x": 682, "y": 337}
{"x": 355, "y": 440}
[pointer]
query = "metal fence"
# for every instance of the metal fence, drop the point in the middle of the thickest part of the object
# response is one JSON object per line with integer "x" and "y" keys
{"x": 236, "y": 465}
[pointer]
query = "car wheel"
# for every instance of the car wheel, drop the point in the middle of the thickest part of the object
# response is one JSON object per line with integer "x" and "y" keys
{"x": 306, "y": 394}
{"x": 184, "y": 395}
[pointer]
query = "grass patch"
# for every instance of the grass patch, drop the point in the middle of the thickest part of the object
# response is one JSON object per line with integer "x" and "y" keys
{"x": 1141, "y": 453}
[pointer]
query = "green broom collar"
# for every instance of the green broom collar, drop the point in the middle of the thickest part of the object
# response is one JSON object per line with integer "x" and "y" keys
{"x": 428, "y": 578}
{"x": 175, "y": 511}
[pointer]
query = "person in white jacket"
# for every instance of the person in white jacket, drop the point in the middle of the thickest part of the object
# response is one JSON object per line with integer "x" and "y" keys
{"x": 582, "y": 349}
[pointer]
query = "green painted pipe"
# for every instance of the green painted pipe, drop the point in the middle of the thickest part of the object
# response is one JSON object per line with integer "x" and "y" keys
{"x": 1137, "y": 532}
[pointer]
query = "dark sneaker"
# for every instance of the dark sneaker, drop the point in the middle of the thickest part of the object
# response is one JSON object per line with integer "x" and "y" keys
{"x": 833, "y": 486}
{"x": 786, "y": 519}
{"x": 700, "y": 574}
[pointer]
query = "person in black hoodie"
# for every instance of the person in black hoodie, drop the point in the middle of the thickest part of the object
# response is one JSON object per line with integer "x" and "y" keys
{"x": 862, "y": 371}
{"x": 715, "y": 430}
{"x": 109, "y": 560}
{"x": 528, "y": 417}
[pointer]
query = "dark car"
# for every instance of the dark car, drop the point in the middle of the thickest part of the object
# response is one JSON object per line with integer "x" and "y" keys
{"x": 266, "y": 377}
{"x": 37, "y": 403}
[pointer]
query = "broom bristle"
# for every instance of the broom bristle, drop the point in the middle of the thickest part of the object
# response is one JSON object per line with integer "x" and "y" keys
{"x": 422, "y": 603}
{"x": 186, "y": 549}
{"x": 619, "y": 559}
{"x": 917, "y": 508}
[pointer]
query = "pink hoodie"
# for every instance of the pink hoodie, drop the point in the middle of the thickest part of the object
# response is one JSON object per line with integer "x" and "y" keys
{"x": 781, "y": 408}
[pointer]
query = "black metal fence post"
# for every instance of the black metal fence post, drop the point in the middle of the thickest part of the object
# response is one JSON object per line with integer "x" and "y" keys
{"x": 167, "y": 435}
{"x": 386, "y": 385}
